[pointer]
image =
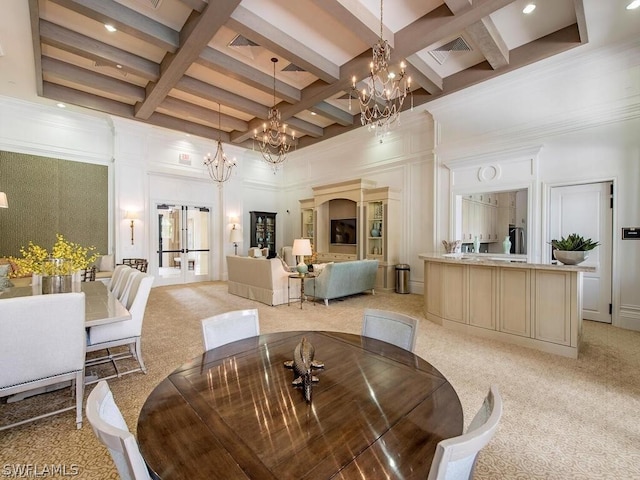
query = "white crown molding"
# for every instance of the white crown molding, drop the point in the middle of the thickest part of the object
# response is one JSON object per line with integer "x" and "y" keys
{"x": 497, "y": 156}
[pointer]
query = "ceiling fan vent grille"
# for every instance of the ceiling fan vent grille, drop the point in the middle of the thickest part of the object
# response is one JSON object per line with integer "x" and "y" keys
{"x": 240, "y": 41}
{"x": 441, "y": 53}
{"x": 293, "y": 68}
{"x": 155, "y": 4}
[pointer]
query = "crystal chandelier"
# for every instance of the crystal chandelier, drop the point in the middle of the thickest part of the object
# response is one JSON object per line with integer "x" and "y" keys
{"x": 274, "y": 143}
{"x": 383, "y": 95}
{"x": 219, "y": 166}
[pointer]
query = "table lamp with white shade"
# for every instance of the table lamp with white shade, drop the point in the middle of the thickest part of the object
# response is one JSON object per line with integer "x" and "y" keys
{"x": 301, "y": 247}
{"x": 235, "y": 237}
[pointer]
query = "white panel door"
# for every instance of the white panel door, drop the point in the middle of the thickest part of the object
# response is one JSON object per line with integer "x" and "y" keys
{"x": 586, "y": 210}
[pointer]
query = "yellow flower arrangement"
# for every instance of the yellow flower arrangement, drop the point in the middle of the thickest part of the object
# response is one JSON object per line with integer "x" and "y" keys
{"x": 65, "y": 258}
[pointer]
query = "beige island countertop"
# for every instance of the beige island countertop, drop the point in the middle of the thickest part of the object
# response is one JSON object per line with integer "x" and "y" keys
{"x": 500, "y": 260}
{"x": 505, "y": 297}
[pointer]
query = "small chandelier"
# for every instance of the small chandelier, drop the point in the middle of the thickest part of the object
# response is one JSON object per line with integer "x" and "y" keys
{"x": 382, "y": 98}
{"x": 274, "y": 143}
{"x": 219, "y": 166}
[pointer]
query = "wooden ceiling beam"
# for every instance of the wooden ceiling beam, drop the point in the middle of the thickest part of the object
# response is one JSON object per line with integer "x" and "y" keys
{"x": 94, "y": 102}
{"x": 196, "y": 33}
{"x": 441, "y": 23}
{"x": 258, "y": 30}
{"x": 485, "y": 35}
{"x": 183, "y": 109}
{"x": 237, "y": 70}
{"x": 71, "y": 73}
{"x": 357, "y": 18}
{"x": 334, "y": 114}
{"x": 212, "y": 93}
{"x": 125, "y": 20}
{"x": 86, "y": 47}
{"x": 552, "y": 44}
{"x": 34, "y": 19}
{"x": 423, "y": 75}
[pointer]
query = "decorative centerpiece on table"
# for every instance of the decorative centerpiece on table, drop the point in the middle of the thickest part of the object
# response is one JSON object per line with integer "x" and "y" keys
{"x": 572, "y": 250}
{"x": 55, "y": 269}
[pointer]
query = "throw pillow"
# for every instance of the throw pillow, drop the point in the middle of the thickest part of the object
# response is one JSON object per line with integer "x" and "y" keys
{"x": 106, "y": 263}
{"x": 319, "y": 267}
{"x": 4, "y": 276}
{"x": 286, "y": 267}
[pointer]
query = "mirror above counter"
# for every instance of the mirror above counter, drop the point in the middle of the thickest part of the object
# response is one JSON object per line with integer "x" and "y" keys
{"x": 491, "y": 218}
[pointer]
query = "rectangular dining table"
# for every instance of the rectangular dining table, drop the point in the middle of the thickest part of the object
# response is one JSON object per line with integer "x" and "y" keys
{"x": 101, "y": 305}
{"x": 377, "y": 411}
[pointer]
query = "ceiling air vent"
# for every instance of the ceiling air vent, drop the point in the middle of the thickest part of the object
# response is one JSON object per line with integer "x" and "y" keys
{"x": 293, "y": 68}
{"x": 240, "y": 41}
{"x": 441, "y": 53}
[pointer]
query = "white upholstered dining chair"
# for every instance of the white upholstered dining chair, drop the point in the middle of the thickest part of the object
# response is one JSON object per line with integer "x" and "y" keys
{"x": 124, "y": 282}
{"x": 42, "y": 343}
{"x": 123, "y": 333}
{"x": 455, "y": 458}
{"x": 116, "y": 277}
{"x": 123, "y": 293}
{"x": 229, "y": 326}
{"x": 391, "y": 327}
{"x": 111, "y": 429}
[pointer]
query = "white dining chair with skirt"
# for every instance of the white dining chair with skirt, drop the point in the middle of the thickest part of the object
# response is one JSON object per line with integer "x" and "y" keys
{"x": 391, "y": 327}
{"x": 111, "y": 429}
{"x": 124, "y": 333}
{"x": 42, "y": 343}
{"x": 455, "y": 458}
{"x": 230, "y": 326}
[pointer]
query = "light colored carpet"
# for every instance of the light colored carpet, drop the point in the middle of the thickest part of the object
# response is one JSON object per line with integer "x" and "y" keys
{"x": 563, "y": 418}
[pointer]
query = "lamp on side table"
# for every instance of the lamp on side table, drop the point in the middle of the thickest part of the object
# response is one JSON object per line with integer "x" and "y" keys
{"x": 301, "y": 247}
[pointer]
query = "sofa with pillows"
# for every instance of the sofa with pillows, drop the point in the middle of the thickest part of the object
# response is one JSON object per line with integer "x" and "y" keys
{"x": 335, "y": 280}
{"x": 265, "y": 280}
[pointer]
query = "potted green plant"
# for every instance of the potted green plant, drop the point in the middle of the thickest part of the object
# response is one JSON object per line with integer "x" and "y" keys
{"x": 573, "y": 249}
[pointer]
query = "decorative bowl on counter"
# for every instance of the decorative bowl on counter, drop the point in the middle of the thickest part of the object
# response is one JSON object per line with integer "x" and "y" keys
{"x": 571, "y": 257}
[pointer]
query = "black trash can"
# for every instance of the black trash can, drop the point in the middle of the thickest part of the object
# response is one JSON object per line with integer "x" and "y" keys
{"x": 402, "y": 278}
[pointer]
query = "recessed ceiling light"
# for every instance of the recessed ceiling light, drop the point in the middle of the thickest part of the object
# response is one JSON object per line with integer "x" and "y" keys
{"x": 118, "y": 66}
{"x": 313, "y": 113}
{"x": 633, "y": 5}
{"x": 61, "y": 105}
{"x": 529, "y": 8}
{"x": 110, "y": 28}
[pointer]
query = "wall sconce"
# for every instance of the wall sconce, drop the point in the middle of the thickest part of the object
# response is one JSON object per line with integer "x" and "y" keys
{"x": 3, "y": 200}
{"x": 129, "y": 215}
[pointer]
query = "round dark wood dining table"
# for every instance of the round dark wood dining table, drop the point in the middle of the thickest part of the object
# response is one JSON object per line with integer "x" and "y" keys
{"x": 376, "y": 412}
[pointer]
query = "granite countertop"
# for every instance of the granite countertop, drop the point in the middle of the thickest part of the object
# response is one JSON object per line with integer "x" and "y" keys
{"x": 500, "y": 260}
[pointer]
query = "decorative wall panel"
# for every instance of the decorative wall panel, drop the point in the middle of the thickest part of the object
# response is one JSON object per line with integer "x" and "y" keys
{"x": 49, "y": 196}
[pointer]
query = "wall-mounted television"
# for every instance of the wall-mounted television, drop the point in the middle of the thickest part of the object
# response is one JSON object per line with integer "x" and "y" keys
{"x": 343, "y": 231}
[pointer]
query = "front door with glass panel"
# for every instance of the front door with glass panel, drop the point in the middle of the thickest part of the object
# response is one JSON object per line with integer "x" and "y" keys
{"x": 183, "y": 244}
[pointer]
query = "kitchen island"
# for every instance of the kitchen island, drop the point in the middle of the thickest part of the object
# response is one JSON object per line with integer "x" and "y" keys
{"x": 506, "y": 298}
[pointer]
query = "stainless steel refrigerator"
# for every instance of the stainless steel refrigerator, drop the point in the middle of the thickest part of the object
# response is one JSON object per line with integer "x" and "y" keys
{"x": 517, "y": 237}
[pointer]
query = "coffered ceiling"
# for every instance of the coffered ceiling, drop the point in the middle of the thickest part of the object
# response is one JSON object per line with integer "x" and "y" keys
{"x": 171, "y": 62}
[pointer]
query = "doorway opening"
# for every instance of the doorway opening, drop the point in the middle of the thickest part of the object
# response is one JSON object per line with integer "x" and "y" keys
{"x": 587, "y": 210}
{"x": 183, "y": 252}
